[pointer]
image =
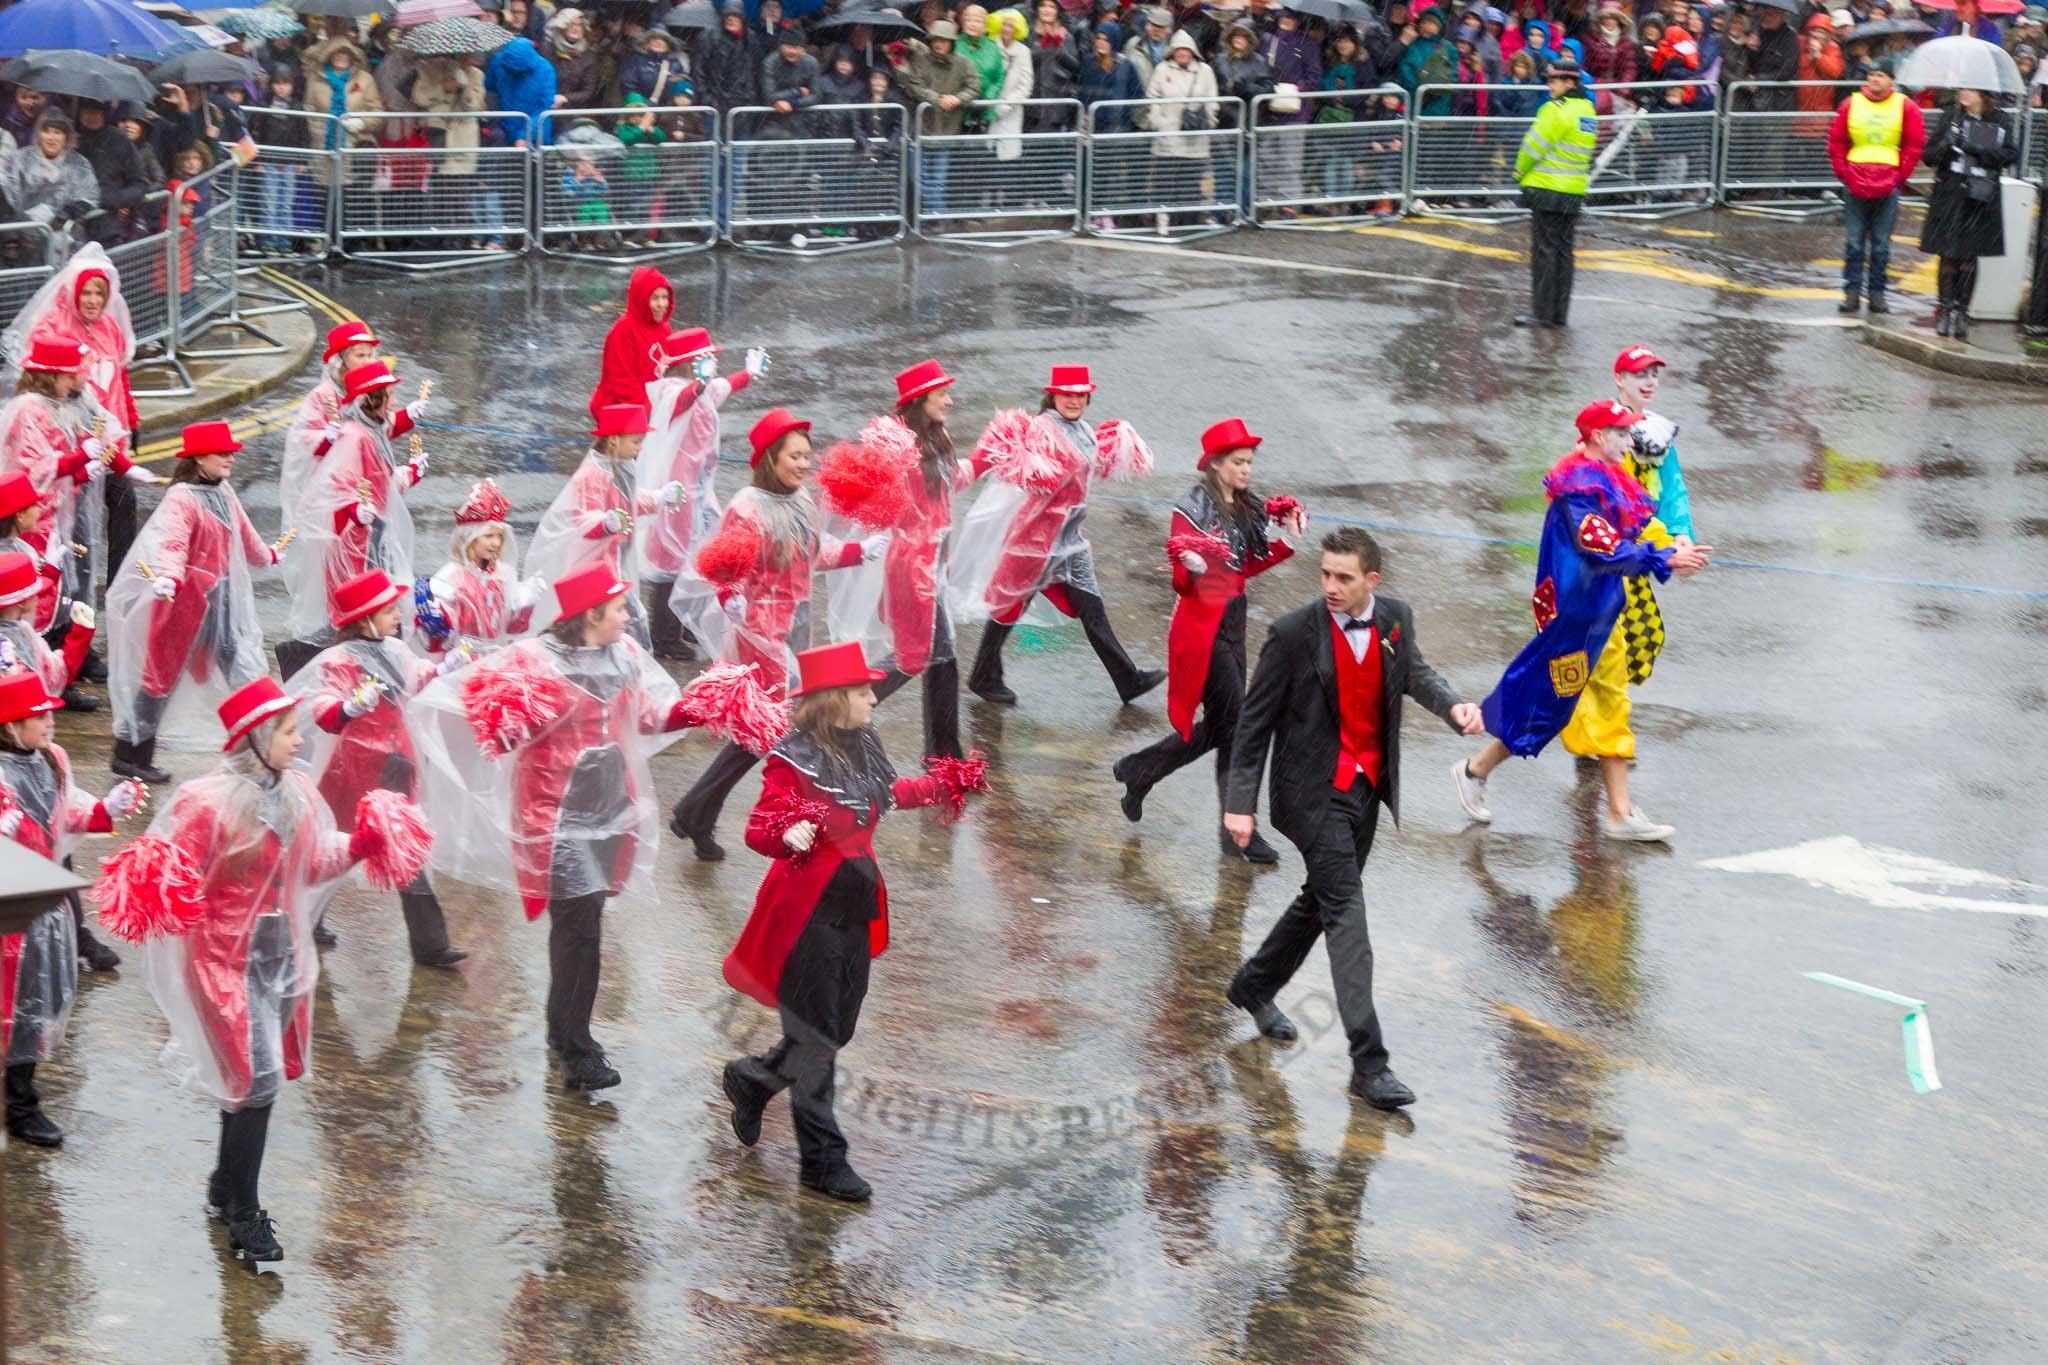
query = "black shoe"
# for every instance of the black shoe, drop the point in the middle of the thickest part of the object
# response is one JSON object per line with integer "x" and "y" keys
{"x": 707, "y": 849}
{"x": 138, "y": 761}
{"x": 253, "y": 1237}
{"x": 1959, "y": 324}
{"x": 444, "y": 958}
{"x": 76, "y": 700}
{"x": 588, "y": 1071}
{"x": 1147, "y": 680}
{"x": 746, "y": 1114}
{"x": 994, "y": 692}
{"x": 843, "y": 1183}
{"x": 1877, "y": 303}
{"x": 94, "y": 669}
{"x": 1941, "y": 320}
{"x": 323, "y": 936}
{"x": 1382, "y": 1090}
{"x": 96, "y": 956}
{"x": 35, "y": 1129}
{"x": 1133, "y": 801}
{"x": 1272, "y": 1021}
{"x": 1531, "y": 320}
{"x": 1259, "y": 851}
{"x": 1852, "y": 302}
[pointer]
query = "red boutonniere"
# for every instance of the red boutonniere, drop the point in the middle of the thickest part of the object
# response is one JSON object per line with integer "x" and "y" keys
{"x": 1392, "y": 641}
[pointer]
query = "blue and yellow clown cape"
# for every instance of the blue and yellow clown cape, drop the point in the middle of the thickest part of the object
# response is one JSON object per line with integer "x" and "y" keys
{"x": 1591, "y": 546}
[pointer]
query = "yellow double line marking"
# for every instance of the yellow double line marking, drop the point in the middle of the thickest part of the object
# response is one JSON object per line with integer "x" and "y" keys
{"x": 272, "y": 419}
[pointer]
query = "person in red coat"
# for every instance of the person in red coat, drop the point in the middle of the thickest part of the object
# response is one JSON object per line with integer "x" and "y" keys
{"x": 1220, "y": 536}
{"x": 629, "y": 362}
{"x": 355, "y": 695}
{"x": 822, "y": 912}
{"x": 478, "y": 597}
{"x": 21, "y": 587}
{"x": 1874, "y": 143}
{"x": 24, "y": 532}
{"x": 594, "y": 516}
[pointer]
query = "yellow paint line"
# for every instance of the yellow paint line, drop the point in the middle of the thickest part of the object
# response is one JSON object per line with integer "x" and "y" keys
{"x": 332, "y": 307}
{"x": 1469, "y": 224}
{"x": 1688, "y": 232}
{"x": 1498, "y": 253}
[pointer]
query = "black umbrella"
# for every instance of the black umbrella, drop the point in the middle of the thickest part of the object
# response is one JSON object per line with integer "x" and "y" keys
{"x": 1794, "y": 7}
{"x": 346, "y": 9}
{"x": 876, "y": 20}
{"x": 1887, "y": 28}
{"x": 206, "y": 68}
{"x": 693, "y": 14}
{"x": 81, "y": 74}
{"x": 1333, "y": 11}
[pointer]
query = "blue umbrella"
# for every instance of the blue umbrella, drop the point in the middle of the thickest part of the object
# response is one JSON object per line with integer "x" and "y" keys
{"x": 110, "y": 28}
{"x": 791, "y": 9}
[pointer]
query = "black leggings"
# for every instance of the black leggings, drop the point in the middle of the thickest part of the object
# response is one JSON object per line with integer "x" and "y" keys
{"x": 243, "y": 1136}
{"x": 1955, "y": 281}
{"x": 1124, "y": 675}
{"x": 1222, "y": 701}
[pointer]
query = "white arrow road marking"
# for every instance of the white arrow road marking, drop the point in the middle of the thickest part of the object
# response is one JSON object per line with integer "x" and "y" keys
{"x": 1889, "y": 878}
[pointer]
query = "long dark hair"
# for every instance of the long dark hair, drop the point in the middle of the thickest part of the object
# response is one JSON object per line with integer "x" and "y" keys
{"x": 1245, "y": 506}
{"x": 43, "y": 382}
{"x": 187, "y": 471}
{"x": 934, "y": 445}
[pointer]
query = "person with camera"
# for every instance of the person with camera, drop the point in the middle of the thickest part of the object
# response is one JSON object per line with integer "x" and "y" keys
{"x": 1969, "y": 148}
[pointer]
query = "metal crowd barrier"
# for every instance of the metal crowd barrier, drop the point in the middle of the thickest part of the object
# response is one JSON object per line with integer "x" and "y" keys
{"x": 1462, "y": 164}
{"x": 830, "y": 178}
{"x": 1002, "y": 188}
{"x": 1655, "y": 157}
{"x": 1173, "y": 169}
{"x": 1340, "y": 161}
{"x": 407, "y": 203}
{"x": 287, "y": 191}
{"x": 1776, "y": 156}
{"x": 24, "y": 264}
{"x": 601, "y": 200}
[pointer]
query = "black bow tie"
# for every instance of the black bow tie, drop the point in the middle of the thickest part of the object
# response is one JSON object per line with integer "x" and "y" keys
{"x": 1357, "y": 623}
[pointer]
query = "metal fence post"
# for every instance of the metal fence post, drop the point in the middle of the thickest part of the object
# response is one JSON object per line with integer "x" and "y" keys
{"x": 674, "y": 212}
{"x": 1003, "y": 189}
{"x": 825, "y": 183}
{"x": 1154, "y": 175}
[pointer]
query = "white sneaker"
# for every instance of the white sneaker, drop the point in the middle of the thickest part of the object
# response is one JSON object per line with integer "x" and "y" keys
{"x": 1471, "y": 793}
{"x": 1162, "y": 224}
{"x": 1638, "y": 828}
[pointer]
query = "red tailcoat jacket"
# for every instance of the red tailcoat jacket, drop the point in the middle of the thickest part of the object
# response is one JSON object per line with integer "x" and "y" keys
{"x": 1202, "y": 599}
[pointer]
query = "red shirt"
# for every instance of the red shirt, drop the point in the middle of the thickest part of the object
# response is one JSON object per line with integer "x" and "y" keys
{"x": 1358, "y": 709}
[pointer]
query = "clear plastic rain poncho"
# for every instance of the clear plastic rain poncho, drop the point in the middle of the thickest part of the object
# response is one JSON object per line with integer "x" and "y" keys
{"x": 39, "y": 966}
{"x": 35, "y": 438}
{"x": 574, "y": 530}
{"x": 486, "y": 608}
{"x": 682, "y": 448}
{"x": 895, "y": 605}
{"x": 23, "y": 646}
{"x": 172, "y": 660}
{"x": 308, "y": 429}
{"x": 533, "y": 767}
{"x": 334, "y": 545}
{"x": 373, "y": 749}
{"x": 1024, "y": 535}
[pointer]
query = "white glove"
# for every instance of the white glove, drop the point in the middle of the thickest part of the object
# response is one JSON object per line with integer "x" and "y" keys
{"x": 164, "y": 587}
{"x": 706, "y": 368}
{"x": 735, "y": 608}
{"x": 416, "y": 468}
{"x": 95, "y": 468}
{"x": 81, "y": 614}
{"x": 1193, "y": 562}
{"x": 757, "y": 360}
{"x": 57, "y": 553}
{"x": 125, "y": 796}
{"x": 362, "y": 701}
{"x": 616, "y": 522}
{"x": 332, "y": 434}
{"x": 94, "y": 448}
{"x": 365, "y": 514}
{"x": 799, "y": 837}
{"x": 416, "y": 409}
{"x": 444, "y": 593}
{"x": 671, "y": 495}
{"x": 10, "y": 821}
{"x": 139, "y": 474}
{"x": 874, "y": 547}
{"x": 462, "y": 656}
{"x": 42, "y": 213}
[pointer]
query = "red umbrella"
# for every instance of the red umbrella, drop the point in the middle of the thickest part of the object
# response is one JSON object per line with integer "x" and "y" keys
{"x": 1983, "y": 6}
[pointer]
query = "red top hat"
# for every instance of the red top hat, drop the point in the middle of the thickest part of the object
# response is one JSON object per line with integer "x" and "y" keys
{"x": 55, "y": 355}
{"x": 250, "y": 705}
{"x": 1226, "y": 436}
{"x": 485, "y": 504}
{"x": 377, "y": 374}
{"x": 622, "y": 419}
{"x": 19, "y": 580}
{"x": 17, "y": 493}
{"x": 1636, "y": 359}
{"x": 688, "y": 344}
{"x": 586, "y": 586}
{"x": 22, "y": 695}
{"x": 772, "y": 428}
{"x": 1069, "y": 379}
{"x": 1603, "y": 414}
{"x": 208, "y": 438}
{"x": 349, "y": 334}
{"x": 367, "y": 592}
{"x": 920, "y": 379}
{"x": 829, "y": 666}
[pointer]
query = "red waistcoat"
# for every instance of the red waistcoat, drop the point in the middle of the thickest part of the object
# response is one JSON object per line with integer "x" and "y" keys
{"x": 1358, "y": 709}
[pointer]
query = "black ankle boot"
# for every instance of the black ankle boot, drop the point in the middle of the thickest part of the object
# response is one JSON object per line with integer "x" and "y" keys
{"x": 1851, "y": 302}
{"x": 138, "y": 760}
{"x": 1941, "y": 319}
{"x": 252, "y": 1236}
{"x": 96, "y": 956}
{"x": 1959, "y": 322}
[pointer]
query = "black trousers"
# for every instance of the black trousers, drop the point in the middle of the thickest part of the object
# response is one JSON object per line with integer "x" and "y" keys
{"x": 238, "y": 1170}
{"x": 1116, "y": 661}
{"x": 1955, "y": 281}
{"x": 575, "y": 936}
{"x": 1550, "y": 265}
{"x": 1222, "y": 701}
{"x": 941, "y": 689}
{"x": 23, "y": 1099}
{"x": 699, "y": 808}
{"x": 425, "y": 924}
{"x": 1331, "y": 905}
{"x": 121, "y": 520}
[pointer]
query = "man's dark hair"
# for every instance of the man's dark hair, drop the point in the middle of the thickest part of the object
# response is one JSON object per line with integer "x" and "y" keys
{"x": 1353, "y": 540}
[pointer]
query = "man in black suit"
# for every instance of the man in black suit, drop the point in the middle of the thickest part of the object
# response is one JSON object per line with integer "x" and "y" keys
{"x": 1333, "y": 722}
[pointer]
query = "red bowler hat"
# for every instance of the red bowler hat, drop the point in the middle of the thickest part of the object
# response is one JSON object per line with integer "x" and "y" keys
{"x": 1069, "y": 379}
{"x": 772, "y": 428}
{"x": 20, "y": 581}
{"x": 17, "y": 493}
{"x": 1603, "y": 414}
{"x": 249, "y": 706}
{"x": 622, "y": 419}
{"x": 55, "y": 355}
{"x": 366, "y": 593}
{"x": 484, "y": 505}
{"x": 368, "y": 378}
{"x": 586, "y": 586}
{"x": 920, "y": 379}
{"x": 690, "y": 343}
{"x": 1226, "y": 436}
{"x": 22, "y": 695}
{"x": 349, "y": 334}
{"x": 1636, "y": 359}
{"x": 830, "y": 666}
{"x": 208, "y": 438}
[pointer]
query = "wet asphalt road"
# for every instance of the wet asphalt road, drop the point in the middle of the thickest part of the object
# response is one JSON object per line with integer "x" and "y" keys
{"x": 1640, "y": 1135}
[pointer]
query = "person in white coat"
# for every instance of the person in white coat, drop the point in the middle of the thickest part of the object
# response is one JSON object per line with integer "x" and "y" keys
{"x": 1007, "y": 125}
{"x": 1180, "y": 156}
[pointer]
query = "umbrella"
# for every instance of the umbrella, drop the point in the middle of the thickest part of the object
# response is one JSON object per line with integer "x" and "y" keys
{"x": 694, "y": 14}
{"x": 453, "y": 37}
{"x": 1887, "y": 28}
{"x": 1792, "y": 7}
{"x": 107, "y": 27}
{"x": 1983, "y": 6}
{"x": 206, "y": 68}
{"x": 1961, "y": 63}
{"x": 1334, "y": 11}
{"x": 877, "y": 21}
{"x": 412, "y": 12}
{"x": 345, "y": 9}
{"x": 264, "y": 25}
{"x": 81, "y": 74}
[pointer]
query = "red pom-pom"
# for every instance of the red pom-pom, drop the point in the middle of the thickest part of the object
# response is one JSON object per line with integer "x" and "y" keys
{"x": 1212, "y": 548}
{"x": 729, "y": 701}
{"x": 508, "y": 703}
{"x": 1282, "y": 507}
{"x": 150, "y": 887}
{"x": 957, "y": 777}
{"x": 1023, "y": 451}
{"x": 1120, "y": 453}
{"x": 868, "y": 483}
{"x": 780, "y": 813}
{"x": 730, "y": 555}
{"x": 391, "y": 839}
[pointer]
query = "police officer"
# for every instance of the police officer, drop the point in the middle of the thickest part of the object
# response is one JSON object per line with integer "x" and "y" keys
{"x": 1552, "y": 166}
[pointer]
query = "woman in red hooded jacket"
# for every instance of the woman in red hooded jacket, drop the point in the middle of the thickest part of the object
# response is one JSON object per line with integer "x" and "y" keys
{"x": 822, "y": 913}
{"x": 629, "y": 362}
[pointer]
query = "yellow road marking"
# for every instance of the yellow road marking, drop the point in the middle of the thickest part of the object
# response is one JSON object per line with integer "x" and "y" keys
{"x": 1498, "y": 253}
{"x": 1688, "y": 232}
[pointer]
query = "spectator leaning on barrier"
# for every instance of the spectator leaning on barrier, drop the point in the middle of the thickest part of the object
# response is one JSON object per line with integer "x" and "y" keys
{"x": 728, "y": 62}
{"x": 1874, "y": 143}
{"x": 789, "y": 80}
{"x": 519, "y": 81}
{"x": 1429, "y": 60}
{"x": 579, "y": 72}
{"x": 1820, "y": 59}
{"x": 937, "y": 75}
{"x": 1056, "y": 56}
{"x": 122, "y": 184}
{"x": 1296, "y": 59}
{"x": 1552, "y": 167}
{"x": 982, "y": 51}
{"x": 1610, "y": 47}
{"x": 1147, "y": 48}
{"x": 1006, "y": 122}
{"x": 47, "y": 181}
{"x": 1107, "y": 75}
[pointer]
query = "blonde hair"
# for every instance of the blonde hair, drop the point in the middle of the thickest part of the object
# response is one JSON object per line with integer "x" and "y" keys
{"x": 824, "y": 715}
